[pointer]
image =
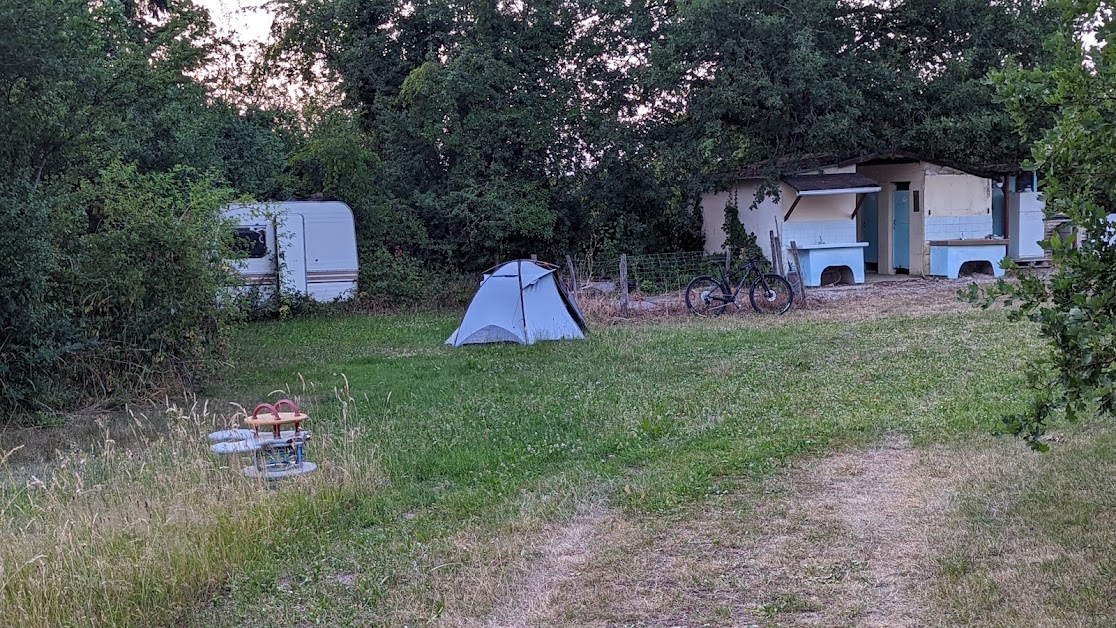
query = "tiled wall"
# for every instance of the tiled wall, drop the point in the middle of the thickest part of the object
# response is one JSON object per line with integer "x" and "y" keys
{"x": 958, "y": 227}
{"x": 830, "y": 231}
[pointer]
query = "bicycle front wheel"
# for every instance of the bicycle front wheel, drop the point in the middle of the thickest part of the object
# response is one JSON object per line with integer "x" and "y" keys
{"x": 705, "y": 296}
{"x": 771, "y": 294}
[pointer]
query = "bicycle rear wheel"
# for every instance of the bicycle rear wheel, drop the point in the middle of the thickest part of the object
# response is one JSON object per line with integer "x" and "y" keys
{"x": 771, "y": 294}
{"x": 705, "y": 296}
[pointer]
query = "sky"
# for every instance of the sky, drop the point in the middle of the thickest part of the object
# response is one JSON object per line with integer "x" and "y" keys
{"x": 244, "y": 18}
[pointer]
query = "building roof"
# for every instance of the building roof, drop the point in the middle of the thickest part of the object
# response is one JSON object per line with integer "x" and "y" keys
{"x": 817, "y": 161}
{"x": 895, "y": 155}
{"x": 832, "y": 183}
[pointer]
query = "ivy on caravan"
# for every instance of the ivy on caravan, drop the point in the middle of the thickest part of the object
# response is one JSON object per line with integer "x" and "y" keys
{"x": 305, "y": 247}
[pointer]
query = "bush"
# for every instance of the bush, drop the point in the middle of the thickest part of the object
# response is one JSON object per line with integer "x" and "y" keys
{"x": 109, "y": 289}
{"x": 143, "y": 261}
{"x": 33, "y": 336}
{"x": 391, "y": 277}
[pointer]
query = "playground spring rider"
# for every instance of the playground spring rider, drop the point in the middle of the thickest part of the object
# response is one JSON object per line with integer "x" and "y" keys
{"x": 278, "y": 452}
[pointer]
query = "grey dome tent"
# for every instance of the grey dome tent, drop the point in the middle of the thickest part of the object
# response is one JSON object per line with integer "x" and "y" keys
{"x": 523, "y": 302}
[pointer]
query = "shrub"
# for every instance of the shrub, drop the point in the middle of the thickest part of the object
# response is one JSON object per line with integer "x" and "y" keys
{"x": 144, "y": 261}
{"x": 33, "y": 336}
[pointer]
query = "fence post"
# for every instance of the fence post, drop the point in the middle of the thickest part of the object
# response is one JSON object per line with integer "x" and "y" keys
{"x": 534, "y": 257}
{"x": 798, "y": 270}
{"x": 774, "y": 251}
{"x": 624, "y": 284}
{"x": 571, "y": 273}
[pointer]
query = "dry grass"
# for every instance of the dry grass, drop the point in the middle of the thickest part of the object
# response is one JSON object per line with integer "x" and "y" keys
{"x": 507, "y": 575}
{"x": 561, "y": 555}
{"x": 1033, "y": 541}
{"x": 841, "y": 541}
{"x": 138, "y": 535}
{"x": 902, "y": 297}
{"x": 865, "y": 538}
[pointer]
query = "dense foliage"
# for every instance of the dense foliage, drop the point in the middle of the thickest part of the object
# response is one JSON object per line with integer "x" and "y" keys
{"x": 1076, "y": 308}
{"x": 114, "y": 164}
{"x": 593, "y": 124}
{"x": 460, "y": 132}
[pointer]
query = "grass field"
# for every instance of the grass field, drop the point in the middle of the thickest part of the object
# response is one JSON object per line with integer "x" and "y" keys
{"x": 510, "y": 485}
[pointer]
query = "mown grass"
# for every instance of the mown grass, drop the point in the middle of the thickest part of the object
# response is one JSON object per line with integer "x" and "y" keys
{"x": 435, "y": 456}
{"x": 1033, "y": 542}
{"x": 658, "y": 414}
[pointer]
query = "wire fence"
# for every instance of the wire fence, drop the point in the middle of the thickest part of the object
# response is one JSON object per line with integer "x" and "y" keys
{"x": 648, "y": 275}
{"x": 656, "y": 282}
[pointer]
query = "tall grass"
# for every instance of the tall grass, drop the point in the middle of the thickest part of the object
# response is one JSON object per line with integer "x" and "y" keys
{"x": 137, "y": 536}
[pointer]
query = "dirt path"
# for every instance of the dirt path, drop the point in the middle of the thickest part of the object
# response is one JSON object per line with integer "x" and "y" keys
{"x": 885, "y": 502}
{"x": 564, "y": 551}
{"x": 843, "y": 541}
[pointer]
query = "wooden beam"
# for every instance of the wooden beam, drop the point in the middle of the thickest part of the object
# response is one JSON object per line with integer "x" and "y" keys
{"x": 859, "y": 202}
{"x": 793, "y": 205}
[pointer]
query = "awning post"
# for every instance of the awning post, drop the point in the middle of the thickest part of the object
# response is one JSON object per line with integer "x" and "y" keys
{"x": 859, "y": 201}
{"x": 793, "y": 205}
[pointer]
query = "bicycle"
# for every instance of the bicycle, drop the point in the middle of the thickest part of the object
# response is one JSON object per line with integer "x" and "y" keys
{"x": 710, "y": 296}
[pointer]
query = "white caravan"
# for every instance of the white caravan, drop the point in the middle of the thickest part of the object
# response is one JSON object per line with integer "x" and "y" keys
{"x": 307, "y": 247}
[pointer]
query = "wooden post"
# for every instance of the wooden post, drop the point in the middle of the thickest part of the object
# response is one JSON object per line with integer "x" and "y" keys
{"x": 798, "y": 269}
{"x": 624, "y": 284}
{"x": 782, "y": 269}
{"x": 728, "y": 262}
{"x": 572, "y": 273}
{"x": 775, "y": 265}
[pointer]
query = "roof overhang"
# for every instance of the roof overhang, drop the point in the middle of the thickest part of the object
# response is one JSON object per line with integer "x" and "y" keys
{"x": 863, "y": 190}
{"x": 830, "y": 185}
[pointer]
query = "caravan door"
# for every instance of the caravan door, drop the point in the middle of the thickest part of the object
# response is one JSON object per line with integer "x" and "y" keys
{"x": 291, "y": 228}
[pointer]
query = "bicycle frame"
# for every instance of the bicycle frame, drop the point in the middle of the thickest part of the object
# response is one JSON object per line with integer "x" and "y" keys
{"x": 704, "y": 292}
{"x": 747, "y": 271}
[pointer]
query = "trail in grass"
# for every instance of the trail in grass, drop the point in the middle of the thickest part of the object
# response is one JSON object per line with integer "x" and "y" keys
{"x": 659, "y": 416}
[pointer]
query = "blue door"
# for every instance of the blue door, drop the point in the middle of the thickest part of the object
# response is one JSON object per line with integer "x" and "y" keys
{"x": 870, "y": 226}
{"x": 998, "y": 211}
{"x": 901, "y": 229}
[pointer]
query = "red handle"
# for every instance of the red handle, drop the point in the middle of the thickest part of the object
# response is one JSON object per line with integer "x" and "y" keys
{"x": 286, "y": 402}
{"x": 256, "y": 413}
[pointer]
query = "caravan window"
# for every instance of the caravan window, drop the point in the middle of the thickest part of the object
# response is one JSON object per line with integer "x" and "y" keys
{"x": 252, "y": 241}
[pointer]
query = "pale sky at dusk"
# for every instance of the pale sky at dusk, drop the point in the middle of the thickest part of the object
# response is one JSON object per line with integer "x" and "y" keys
{"x": 246, "y": 18}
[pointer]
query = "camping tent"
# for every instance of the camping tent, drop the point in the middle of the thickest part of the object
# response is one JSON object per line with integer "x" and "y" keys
{"x": 522, "y": 302}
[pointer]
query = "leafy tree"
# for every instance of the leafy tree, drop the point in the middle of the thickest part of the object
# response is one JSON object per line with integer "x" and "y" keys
{"x": 504, "y": 128}
{"x": 1076, "y": 308}
{"x": 768, "y": 81}
{"x": 337, "y": 160}
{"x": 111, "y": 268}
{"x": 32, "y": 338}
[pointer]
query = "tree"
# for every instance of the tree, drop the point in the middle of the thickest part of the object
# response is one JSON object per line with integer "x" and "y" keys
{"x": 504, "y": 128}
{"x": 114, "y": 161}
{"x": 742, "y": 83}
{"x": 1076, "y": 308}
